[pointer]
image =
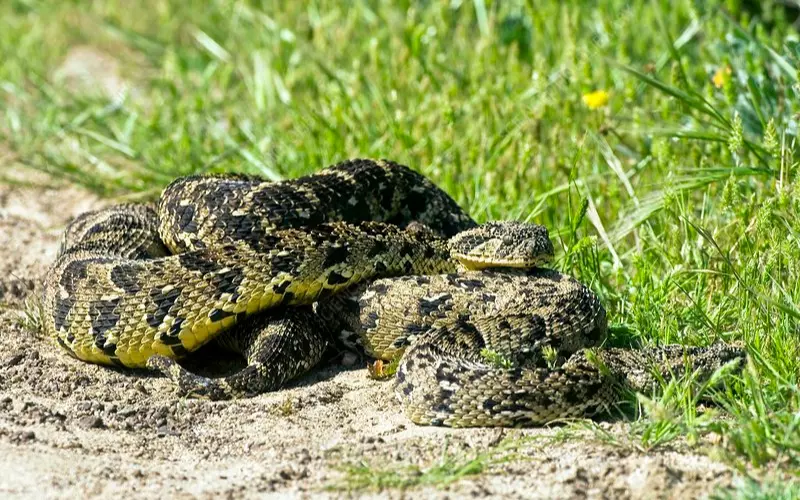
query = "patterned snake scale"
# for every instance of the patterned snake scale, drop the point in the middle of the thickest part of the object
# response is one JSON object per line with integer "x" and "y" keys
{"x": 368, "y": 252}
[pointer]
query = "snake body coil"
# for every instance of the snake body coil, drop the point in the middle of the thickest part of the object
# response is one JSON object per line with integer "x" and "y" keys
{"x": 143, "y": 286}
{"x": 237, "y": 246}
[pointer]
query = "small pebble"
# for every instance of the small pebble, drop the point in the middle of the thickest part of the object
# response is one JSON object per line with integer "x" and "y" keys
{"x": 164, "y": 430}
{"x": 126, "y": 411}
{"x": 90, "y": 422}
{"x": 14, "y": 359}
{"x": 349, "y": 359}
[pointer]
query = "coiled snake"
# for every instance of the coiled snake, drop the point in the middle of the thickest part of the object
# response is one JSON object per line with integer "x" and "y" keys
{"x": 368, "y": 251}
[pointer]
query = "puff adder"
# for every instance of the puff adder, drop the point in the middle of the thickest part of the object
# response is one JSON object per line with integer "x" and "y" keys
{"x": 142, "y": 286}
{"x": 229, "y": 247}
{"x": 473, "y": 347}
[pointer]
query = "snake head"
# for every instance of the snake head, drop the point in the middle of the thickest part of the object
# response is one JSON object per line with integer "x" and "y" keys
{"x": 502, "y": 244}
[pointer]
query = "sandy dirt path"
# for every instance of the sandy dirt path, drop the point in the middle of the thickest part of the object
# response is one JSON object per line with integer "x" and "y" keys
{"x": 72, "y": 429}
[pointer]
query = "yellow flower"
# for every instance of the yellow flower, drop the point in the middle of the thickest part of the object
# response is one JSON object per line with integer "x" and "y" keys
{"x": 722, "y": 76}
{"x": 596, "y": 99}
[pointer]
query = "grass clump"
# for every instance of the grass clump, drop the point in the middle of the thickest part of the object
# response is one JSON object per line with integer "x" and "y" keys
{"x": 451, "y": 467}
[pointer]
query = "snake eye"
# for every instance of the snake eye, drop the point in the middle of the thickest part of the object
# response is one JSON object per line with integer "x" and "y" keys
{"x": 508, "y": 240}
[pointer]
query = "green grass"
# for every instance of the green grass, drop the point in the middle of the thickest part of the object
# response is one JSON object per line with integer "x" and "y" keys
{"x": 765, "y": 490}
{"x": 450, "y": 468}
{"x": 677, "y": 201}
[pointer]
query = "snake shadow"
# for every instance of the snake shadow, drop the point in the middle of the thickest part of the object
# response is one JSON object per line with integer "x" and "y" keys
{"x": 214, "y": 362}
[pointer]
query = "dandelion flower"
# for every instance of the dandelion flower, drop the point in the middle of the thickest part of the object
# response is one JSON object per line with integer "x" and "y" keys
{"x": 596, "y": 99}
{"x": 722, "y": 76}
